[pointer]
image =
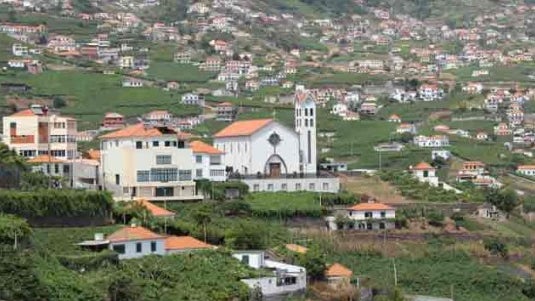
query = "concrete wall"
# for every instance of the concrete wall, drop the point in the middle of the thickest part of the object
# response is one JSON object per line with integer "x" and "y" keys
{"x": 293, "y": 184}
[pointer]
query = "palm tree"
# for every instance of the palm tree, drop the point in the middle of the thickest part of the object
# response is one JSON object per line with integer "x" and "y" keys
{"x": 202, "y": 217}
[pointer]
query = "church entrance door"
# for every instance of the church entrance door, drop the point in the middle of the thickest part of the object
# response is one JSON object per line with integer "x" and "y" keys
{"x": 274, "y": 169}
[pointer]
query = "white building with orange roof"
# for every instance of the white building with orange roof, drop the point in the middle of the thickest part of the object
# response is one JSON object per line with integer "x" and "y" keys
{"x": 394, "y": 118}
{"x": 36, "y": 131}
{"x": 527, "y": 170}
{"x": 424, "y": 172}
{"x": 136, "y": 241}
{"x": 147, "y": 162}
{"x": 76, "y": 173}
{"x": 365, "y": 216}
{"x": 208, "y": 162}
{"x": 337, "y": 274}
{"x": 185, "y": 244}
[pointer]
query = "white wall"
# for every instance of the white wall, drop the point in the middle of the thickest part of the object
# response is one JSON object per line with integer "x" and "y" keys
{"x": 256, "y": 259}
{"x": 376, "y": 214}
{"x": 130, "y": 248}
{"x": 294, "y": 184}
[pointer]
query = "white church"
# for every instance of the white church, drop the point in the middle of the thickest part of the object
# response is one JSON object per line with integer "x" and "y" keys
{"x": 268, "y": 156}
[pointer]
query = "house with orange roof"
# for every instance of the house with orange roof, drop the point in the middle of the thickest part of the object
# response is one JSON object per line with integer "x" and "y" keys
{"x": 185, "y": 244}
{"x": 208, "y": 161}
{"x": 155, "y": 210}
{"x": 337, "y": 274}
{"x": 527, "y": 170}
{"x": 394, "y": 118}
{"x": 35, "y": 131}
{"x": 424, "y": 172}
{"x": 135, "y": 241}
{"x": 147, "y": 162}
{"x": 113, "y": 121}
{"x": 365, "y": 216}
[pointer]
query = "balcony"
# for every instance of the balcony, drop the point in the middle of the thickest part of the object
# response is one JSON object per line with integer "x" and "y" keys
{"x": 22, "y": 139}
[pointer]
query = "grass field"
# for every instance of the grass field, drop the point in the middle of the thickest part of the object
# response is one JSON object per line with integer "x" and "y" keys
{"x": 347, "y": 79}
{"x": 512, "y": 73}
{"x": 372, "y": 186}
{"x": 90, "y": 95}
{"x": 178, "y": 72}
{"x": 290, "y": 203}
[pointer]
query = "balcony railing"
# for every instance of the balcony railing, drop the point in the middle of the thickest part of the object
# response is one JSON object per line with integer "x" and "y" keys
{"x": 238, "y": 176}
{"x": 22, "y": 139}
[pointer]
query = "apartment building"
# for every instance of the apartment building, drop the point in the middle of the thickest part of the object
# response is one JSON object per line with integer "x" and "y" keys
{"x": 208, "y": 162}
{"x": 36, "y": 131}
{"x": 143, "y": 161}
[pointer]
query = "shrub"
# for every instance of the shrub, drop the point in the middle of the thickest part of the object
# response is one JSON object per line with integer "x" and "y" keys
{"x": 435, "y": 218}
{"x": 496, "y": 247}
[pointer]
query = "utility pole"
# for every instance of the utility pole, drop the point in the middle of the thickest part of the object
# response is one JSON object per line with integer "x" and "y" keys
{"x": 380, "y": 162}
{"x": 395, "y": 273}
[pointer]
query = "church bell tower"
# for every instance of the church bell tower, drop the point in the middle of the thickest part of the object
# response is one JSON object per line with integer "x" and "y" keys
{"x": 305, "y": 126}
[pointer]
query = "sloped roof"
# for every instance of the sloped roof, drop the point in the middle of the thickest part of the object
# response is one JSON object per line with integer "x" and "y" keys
{"x": 243, "y": 128}
{"x": 156, "y": 211}
{"x": 23, "y": 113}
{"x": 526, "y": 167}
{"x": 185, "y": 243}
{"x": 137, "y": 130}
{"x": 45, "y": 159}
{"x": 93, "y": 154}
{"x": 338, "y": 270}
{"x": 423, "y": 166}
{"x": 370, "y": 206}
{"x": 296, "y": 248}
{"x": 133, "y": 233}
{"x": 200, "y": 147}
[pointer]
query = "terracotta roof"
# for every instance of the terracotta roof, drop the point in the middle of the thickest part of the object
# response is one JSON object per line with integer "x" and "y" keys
{"x": 133, "y": 233}
{"x": 113, "y": 115}
{"x": 185, "y": 243}
{"x": 526, "y": 167}
{"x": 296, "y": 248}
{"x": 393, "y": 116}
{"x": 423, "y": 166}
{"x": 156, "y": 210}
{"x": 225, "y": 104}
{"x": 477, "y": 163}
{"x": 203, "y": 148}
{"x": 45, "y": 159}
{"x": 137, "y": 130}
{"x": 370, "y": 206}
{"x": 23, "y": 113}
{"x": 338, "y": 270}
{"x": 243, "y": 128}
{"x": 93, "y": 154}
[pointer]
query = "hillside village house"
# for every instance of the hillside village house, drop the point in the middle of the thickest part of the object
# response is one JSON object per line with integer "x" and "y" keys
{"x": 430, "y": 92}
{"x": 394, "y": 118}
{"x": 431, "y": 141}
{"x": 158, "y": 117}
{"x": 193, "y": 99}
{"x": 406, "y": 128}
{"x": 226, "y": 112}
{"x": 113, "y": 121}
{"x": 337, "y": 274}
{"x": 143, "y": 161}
{"x": 135, "y": 242}
{"x": 424, "y": 172}
{"x": 482, "y": 136}
{"x": 19, "y": 50}
{"x": 366, "y": 216}
{"x": 76, "y": 173}
{"x": 132, "y": 83}
{"x": 286, "y": 278}
{"x": 208, "y": 162}
{"x": 502, "y": 129}
{"x": 527, "y": 170}
{"x": 35, "y": 131}
{"x": 185, "y": 244}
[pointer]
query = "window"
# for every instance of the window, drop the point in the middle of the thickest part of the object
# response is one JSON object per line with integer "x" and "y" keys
{"x": 167, "y": 143}
{"x": 306, "y": 112}
{"x": 286, "y": 281}
{"x": 256, "y": 187}
{"x": 184, "y": 175}
{"x": 245, "y": 259}
{"x": 270, "y": 187}
{"x": 48, "y": 168}
{"x": 198, "y": 159}
{"x": 57, "y": 153}
{"x": 174, "y": 143}
{"x": 311, "y": 122}
{"x": 369, "y": 226}
{"x": 298, "y": 187}
{"x": 311, "y": 112}
{"x": 56, "y": 168}
{"x": 368, "y": 214}
{"x": 306, "y": 122}
{"x": 312, "y": 186}
{"x": 164, "y": 191}
{"x": 117, "y": 179}
{"x": 198, "y": 173}
{"x": 163, "y": 174}
{"x": 153, "y": 246}
{"x": 139, "y": 145}
{"x": 284, "y": 187}
{"x": 217, "y": 172}
{"x": 66, "y": 169}
{"x": 325, "y": 186}
{"x": 119, "y": 249}
{"x": 181, "y": 144}
{"x": 143, "y": 176}
{"x": 163, "y": 159}
{"x": 155, "y": 143}
{"x": 381, "y": 225}
{"x": 138, "y": 247}
{"x": 383, "y": 214}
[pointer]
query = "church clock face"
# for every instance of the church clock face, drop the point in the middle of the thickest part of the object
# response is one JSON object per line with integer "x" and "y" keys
{"x": 274, "y": 139}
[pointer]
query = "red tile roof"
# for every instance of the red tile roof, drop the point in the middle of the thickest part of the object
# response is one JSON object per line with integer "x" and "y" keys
{"x": 185, "y": 243}
{"x": 526, "y": 167}
{"x": 243, "y": 128}
{"x": 133, "y": 233}
{"x": 423, "y": 166}
{"x": 338, "y": 270}
{"x": 156, "y": 210}
{"x": 200, "y": 147}
{"x": 370, "y": 206}
{"x": 296, "y": 248}
{"x": 23, "y": 113}
{"x": 137, "y": 130}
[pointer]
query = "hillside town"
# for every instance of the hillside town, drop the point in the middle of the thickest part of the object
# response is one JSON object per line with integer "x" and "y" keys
{"x": 267, "y": 150}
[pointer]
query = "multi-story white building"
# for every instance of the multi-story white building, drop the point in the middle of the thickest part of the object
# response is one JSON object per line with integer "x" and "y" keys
{"x": 193, "y": 99}
{"x": 19, "y": 50}
{"x": 208, "y": 162}
{"x": 430, "y": 92}
{"x": 36, "y": 131}
{"x": 153, "y": 163}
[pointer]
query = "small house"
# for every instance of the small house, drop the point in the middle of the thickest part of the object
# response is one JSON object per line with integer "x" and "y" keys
{"x": 135, "y": 241}
{"x": 337, "y": 274}
{"x": 490, "y": 211}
